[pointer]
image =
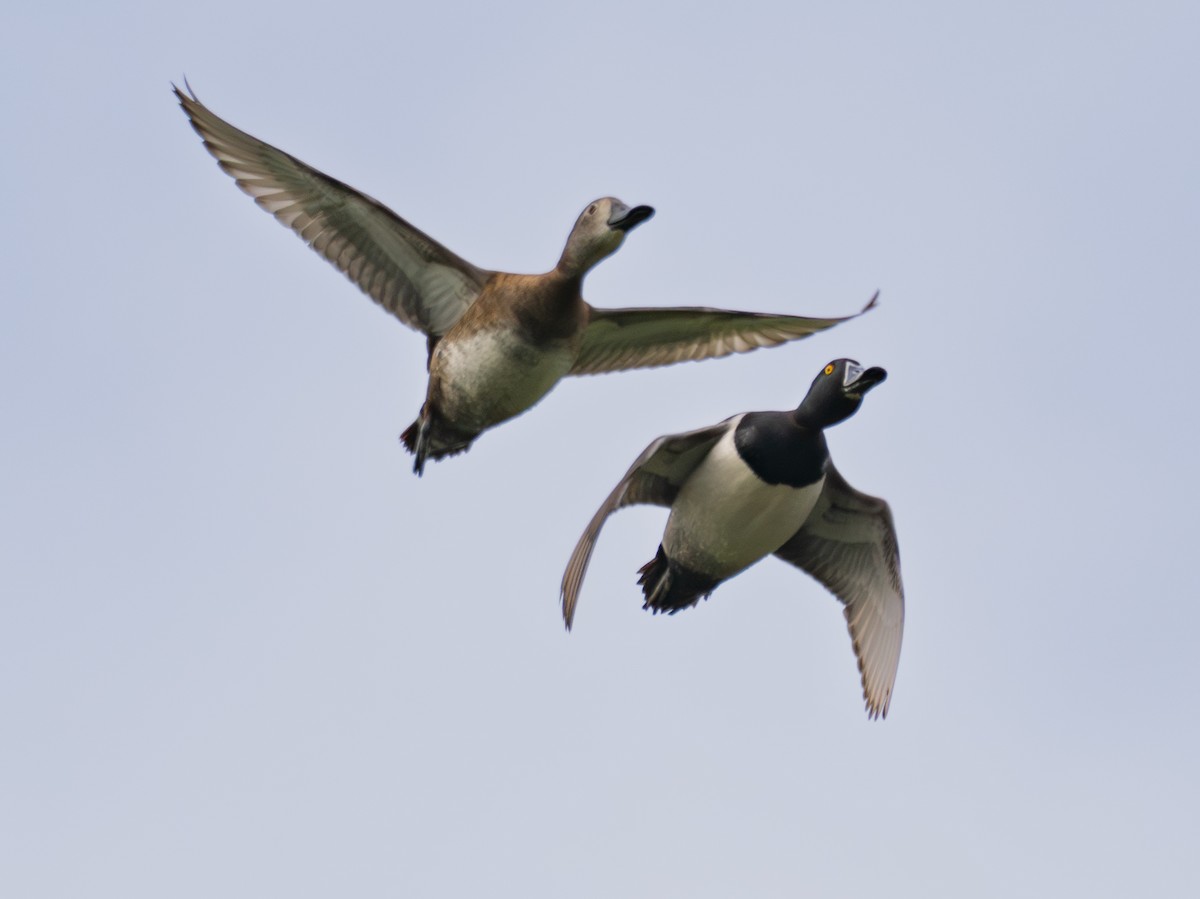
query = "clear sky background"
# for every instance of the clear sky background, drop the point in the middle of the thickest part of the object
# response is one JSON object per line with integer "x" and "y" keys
{"x": 245, "y": 652}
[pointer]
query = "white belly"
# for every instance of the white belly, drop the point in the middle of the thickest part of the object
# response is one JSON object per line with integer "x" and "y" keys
{"x": 491, "y": 376}
{"x": 726, "y": 519}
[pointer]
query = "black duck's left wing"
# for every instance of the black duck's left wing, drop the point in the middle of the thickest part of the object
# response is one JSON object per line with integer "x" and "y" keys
{"x": 619, "y": 339}
{"x": 655, "y": 478}
{"x": 848, "y": 543}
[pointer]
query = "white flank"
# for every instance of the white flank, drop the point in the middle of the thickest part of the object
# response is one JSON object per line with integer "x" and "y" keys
{"x": 493, "y": 375}
{"x": 726, "y": 518}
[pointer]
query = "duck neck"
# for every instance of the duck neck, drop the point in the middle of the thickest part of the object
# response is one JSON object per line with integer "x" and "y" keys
{"x": 550, "y": 306}
{"x": 569, "y": 266}
{"x": 568, "y": 274}
{"x": 819, "y": 415}
{"x": 803, "y": 420}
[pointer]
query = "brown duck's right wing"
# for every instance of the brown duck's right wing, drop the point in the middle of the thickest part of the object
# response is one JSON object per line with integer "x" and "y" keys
{"x": 401, "y": 268}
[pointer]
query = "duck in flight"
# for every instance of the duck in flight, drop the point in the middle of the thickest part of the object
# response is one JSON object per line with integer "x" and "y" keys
{"x": 497, "y": 342}
{"x": 758, "y": 484}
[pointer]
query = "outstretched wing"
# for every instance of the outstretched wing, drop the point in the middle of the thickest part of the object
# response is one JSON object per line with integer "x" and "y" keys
{"x": 618, "y": 339}
{"x": 848, "y": 543}
{"x": 402, "y": 269}
{"x": 654, "y": 478}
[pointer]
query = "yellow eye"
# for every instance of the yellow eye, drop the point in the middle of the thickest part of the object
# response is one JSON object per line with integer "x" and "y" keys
{"x": 829, "y": 369}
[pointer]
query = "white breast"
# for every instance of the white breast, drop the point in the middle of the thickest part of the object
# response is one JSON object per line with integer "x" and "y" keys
{"x": 725, "y": 518}
{"x": 493, "y": 375}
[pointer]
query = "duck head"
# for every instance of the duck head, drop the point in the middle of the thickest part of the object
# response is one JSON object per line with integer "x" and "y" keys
{"x": 599, "y": 231}
{"x": 837, "y": 392}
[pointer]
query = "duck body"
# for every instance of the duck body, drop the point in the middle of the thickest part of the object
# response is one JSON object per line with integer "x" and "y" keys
{"x": 503, "y": 355}
{"x": 727, "y": 515}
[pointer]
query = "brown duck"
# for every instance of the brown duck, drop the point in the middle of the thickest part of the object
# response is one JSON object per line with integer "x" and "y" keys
{"x": 497, "y": 342}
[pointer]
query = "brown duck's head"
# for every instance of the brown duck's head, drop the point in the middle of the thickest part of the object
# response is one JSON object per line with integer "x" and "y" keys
{"x": 598, "y": 232}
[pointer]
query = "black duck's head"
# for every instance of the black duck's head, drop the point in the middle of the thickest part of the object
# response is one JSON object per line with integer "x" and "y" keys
{"x": 837, "y": 392}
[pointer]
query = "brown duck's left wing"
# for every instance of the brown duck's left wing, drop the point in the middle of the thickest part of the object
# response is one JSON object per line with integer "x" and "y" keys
{"x": 617, "y": 339}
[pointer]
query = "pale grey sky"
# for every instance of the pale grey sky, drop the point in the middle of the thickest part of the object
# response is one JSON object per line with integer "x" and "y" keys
{"x": 244, "y": 652}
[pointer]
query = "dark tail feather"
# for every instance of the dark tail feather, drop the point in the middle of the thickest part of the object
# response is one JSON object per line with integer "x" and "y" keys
{"x": 414, "y": 440}
{"x": 669, "y": 587}
{"x": 420, "y": 439}
{"x": 409, "y": 438}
